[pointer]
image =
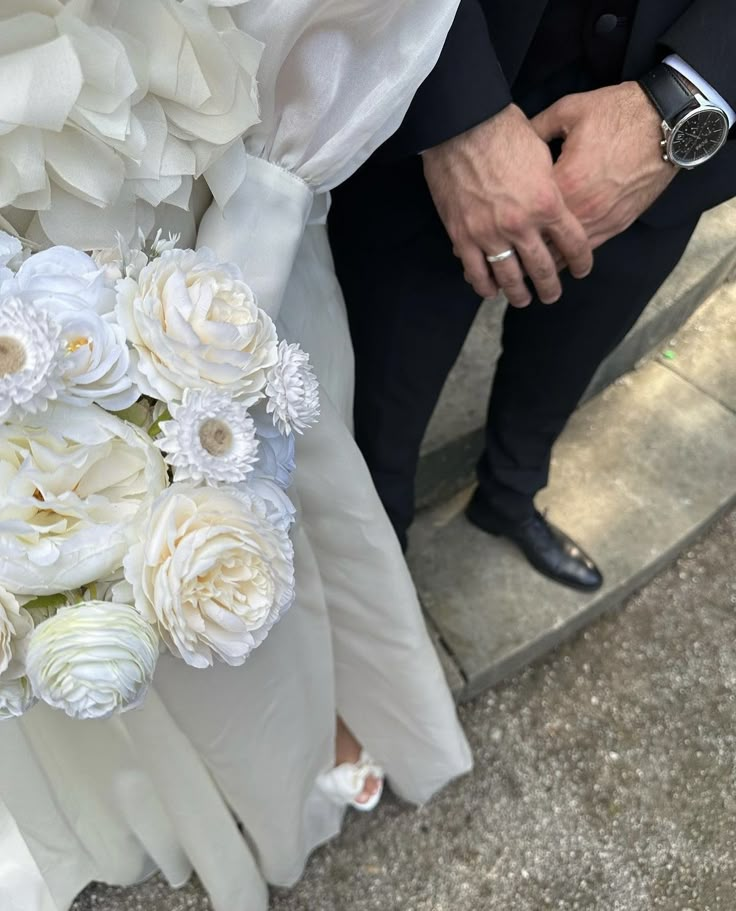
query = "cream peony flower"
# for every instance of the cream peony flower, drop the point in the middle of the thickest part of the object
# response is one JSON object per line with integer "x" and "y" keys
{"x": 30, "y": 358}
{"x": 93, "y": 660}
{"x": 292, "y": 390}
{"x": 16, "y": 626}
{"x": 16, "y": 697}
{"x": 194, "y": 323}
{"x": 214, "y": 572}
{"x": 211, "y": 438}
{"x": 74, "y": 486}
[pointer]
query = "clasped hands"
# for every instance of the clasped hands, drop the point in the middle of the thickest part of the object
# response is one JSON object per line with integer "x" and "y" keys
{"x": 496, "y": 188}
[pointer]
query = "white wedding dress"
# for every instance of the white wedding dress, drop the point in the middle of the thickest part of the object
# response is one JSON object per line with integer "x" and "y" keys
{"x": 158, "y": 787}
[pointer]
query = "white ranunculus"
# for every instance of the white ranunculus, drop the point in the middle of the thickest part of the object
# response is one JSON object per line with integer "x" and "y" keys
{"x": 276, "y": 459}
{"x": 16, "y": 697}
{"x": 292, "y": 390}
{"x": 214, "y": 572}
{"x": 210, "y": 438}
{"x": 30, "y": 357}
{"x": 16, "y": 626}
{"x": 93, "y": 659}
{"x": 194, "y": 323}
{"x": 74, "y": 485}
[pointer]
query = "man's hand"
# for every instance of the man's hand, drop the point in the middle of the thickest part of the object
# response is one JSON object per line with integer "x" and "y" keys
{"x": 494, "y": 189}
{"x": 611, "y": 167}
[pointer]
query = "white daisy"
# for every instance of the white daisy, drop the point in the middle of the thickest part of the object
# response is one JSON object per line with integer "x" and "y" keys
{"x": 30, "y": 358}
{"x": 292, "y": 390}
{"x": 211, "y": 438}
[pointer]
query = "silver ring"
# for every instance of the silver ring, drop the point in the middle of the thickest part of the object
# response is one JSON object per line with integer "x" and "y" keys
{"x": 500, "y": 257}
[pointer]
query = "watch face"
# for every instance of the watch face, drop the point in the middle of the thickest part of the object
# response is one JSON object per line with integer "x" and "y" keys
{"x": 697, "y": 137}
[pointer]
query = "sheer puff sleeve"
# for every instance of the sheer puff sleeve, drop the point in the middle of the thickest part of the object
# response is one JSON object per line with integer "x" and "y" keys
{"x": 336, "y": 79}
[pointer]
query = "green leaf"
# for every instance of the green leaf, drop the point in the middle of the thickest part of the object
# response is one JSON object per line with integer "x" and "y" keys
{"x": 47, "y": 602}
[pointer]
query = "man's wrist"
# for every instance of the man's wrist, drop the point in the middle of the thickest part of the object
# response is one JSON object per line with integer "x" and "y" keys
{"x": 510, "y": 112}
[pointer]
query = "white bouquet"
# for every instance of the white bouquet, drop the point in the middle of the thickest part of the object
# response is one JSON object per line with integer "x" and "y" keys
{"x": 147, "y": 420}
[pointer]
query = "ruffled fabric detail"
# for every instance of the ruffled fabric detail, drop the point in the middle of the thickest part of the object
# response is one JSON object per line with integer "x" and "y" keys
{"x": 114, "y": 107}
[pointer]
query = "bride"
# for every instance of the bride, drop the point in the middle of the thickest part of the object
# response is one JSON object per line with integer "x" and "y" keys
{"x": 350, "y": 672}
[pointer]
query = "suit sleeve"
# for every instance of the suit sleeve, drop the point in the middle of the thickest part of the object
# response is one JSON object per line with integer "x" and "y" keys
{"x": 465, "y": 88}
{"x": 704, "y": 37}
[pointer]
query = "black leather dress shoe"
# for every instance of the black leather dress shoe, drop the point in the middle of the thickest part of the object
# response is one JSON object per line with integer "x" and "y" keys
{"x": 548, "y": 549}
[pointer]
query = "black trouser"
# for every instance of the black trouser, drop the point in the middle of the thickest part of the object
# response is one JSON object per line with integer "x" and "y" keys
{"x": 410, "y": 311}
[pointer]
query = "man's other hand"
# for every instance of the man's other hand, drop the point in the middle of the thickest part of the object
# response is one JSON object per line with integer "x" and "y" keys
{"x": 611, "y": 167}
{"x": 494, "y": 189}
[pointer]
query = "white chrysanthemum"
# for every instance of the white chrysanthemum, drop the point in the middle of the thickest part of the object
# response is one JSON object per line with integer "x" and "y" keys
{"x": 292, "y": 390}
{"x": 211, "y": 438}
{"x": 214, "y": 572}
{"x": 16, "y": 626}
{"x": 93, "y": 660}
{"x": 30, "y": 358}
{"x": 16, "y": 697}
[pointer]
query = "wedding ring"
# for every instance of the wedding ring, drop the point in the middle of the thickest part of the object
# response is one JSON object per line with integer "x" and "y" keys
{"x": 500, "y": 257}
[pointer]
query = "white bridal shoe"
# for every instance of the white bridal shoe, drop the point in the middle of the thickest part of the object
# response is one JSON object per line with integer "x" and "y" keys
{"x": 346, "y": 782}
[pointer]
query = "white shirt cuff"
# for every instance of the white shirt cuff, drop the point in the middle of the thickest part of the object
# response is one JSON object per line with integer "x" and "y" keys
{"x": 705, "y": 88}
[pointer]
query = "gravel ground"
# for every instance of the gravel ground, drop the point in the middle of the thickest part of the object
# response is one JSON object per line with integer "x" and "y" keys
{"x": 604, "y": 779}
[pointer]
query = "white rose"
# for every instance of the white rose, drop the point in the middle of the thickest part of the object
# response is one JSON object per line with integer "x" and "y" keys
{"x": 74, "y": 484}
{"x": 16, "y": 626}
{"x": 214, "y": 572}
{"x": 93, "y": 660}
{"x": 16, "y": 697}
{"x": 62, "y": 273}
{"x": 194, "y": 323}
{"x": 96, "y": 359}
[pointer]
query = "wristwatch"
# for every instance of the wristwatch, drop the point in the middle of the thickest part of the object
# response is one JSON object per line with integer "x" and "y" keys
{"x": 693, "y": 129}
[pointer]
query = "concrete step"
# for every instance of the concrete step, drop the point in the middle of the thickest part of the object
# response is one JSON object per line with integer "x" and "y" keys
{"x": 454, "y": 437}
{"x": 643, "y": 467}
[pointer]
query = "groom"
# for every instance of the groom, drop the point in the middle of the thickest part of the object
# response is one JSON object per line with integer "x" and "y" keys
{"x": 465, "y": 201}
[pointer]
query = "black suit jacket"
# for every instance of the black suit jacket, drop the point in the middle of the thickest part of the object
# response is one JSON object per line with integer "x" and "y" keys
{"x": 485, "y": 50}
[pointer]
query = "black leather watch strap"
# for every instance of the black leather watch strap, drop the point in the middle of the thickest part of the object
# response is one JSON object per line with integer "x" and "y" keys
{"x": 668, "y": 92}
